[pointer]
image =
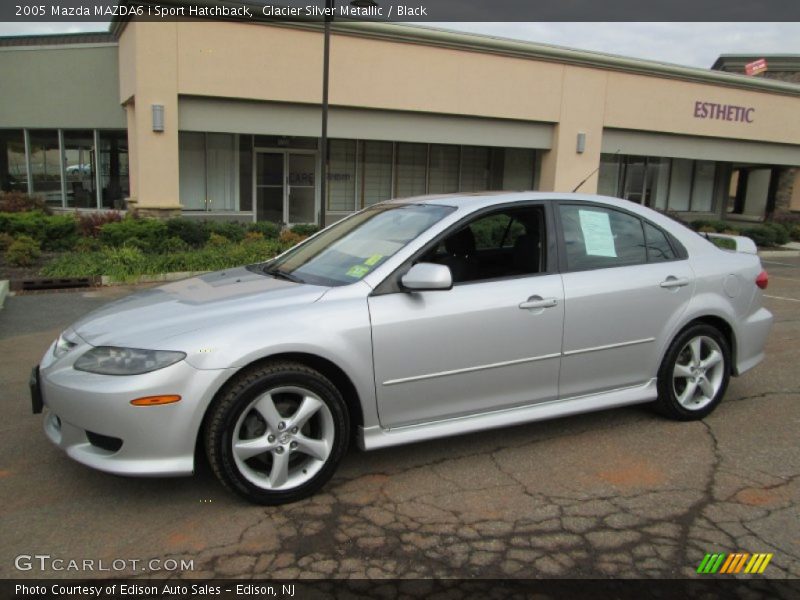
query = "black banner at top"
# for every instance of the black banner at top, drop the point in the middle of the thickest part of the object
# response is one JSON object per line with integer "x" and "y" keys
{"x": 404, "y": 10}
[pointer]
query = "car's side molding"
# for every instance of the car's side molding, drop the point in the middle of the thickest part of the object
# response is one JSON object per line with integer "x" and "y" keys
{"x": 371, "y": 438}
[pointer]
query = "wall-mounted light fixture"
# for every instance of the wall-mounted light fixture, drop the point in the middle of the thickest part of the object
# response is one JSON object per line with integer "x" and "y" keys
{"x": 581, "y": 145}
{"x": 158, "y": 117}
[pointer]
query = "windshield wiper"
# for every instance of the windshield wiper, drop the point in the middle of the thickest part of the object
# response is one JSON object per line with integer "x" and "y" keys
{"x": 278, "y": 274}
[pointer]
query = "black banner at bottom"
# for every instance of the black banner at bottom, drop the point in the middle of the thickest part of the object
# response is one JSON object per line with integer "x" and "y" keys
{"x": 707, "y": 588}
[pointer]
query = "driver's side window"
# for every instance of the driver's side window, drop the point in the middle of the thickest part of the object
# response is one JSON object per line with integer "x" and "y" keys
{"x": 503, "y": 243}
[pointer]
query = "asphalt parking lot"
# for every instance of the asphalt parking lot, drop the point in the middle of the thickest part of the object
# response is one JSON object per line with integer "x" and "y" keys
{"x": 622, "y": 493}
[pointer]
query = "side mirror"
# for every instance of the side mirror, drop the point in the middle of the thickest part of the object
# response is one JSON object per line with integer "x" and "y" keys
{"x": 427, "y": 276}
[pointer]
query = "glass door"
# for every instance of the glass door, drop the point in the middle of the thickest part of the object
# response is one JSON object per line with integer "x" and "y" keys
{"x": 286, "y": 188}
{"x": 269, "y": 186}
{"x": 301, "y": 188}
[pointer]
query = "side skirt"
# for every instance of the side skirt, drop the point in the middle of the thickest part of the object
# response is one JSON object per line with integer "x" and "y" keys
{"x": 371, "y": 438}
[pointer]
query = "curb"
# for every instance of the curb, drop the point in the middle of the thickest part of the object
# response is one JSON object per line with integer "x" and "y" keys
{"x": 4, "y": 289}
{"x": 158, "y": 278}
{"x": 779, "y": 253}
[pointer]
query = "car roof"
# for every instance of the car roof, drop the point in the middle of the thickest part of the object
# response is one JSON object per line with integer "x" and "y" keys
{"x": 468, "y": 202}
{"x": 473, "y": 200}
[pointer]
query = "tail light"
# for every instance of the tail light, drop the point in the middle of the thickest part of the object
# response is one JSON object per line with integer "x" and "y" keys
{"x": 762, "y": 280}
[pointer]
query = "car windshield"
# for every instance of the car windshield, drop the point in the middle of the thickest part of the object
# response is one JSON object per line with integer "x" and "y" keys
{"x": 349, "y": 250}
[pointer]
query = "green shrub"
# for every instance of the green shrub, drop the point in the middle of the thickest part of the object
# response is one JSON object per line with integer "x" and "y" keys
{"x": 192, "y": 231}
{"x": 173, "y": 244}
{"x": 762, "y": 236}
{"x": 268, "y": 229}
{"x": 148, "y": 232}
{"x": 90, "y": 224}
{"x": 216, "y": 240}
{"x": 127, "y": 263}
{"x": 227, "y": 229}
{"x": 13, "y": 202}
{"x": 304, "y": 229}
{"x": 53, "y": 232}
{"x": 23, "y": 251}
{"x": 781, "y": 232}
{"x": 724, "y": 243}
{"x": 711, "y": 225}
{"x": 6, "y": 239}
{"x": 87, "y": 244}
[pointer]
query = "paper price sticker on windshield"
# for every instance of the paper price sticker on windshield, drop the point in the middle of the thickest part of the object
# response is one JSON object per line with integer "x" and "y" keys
{"x": 373, "y": 260}
{"x": 357, "y": 271}
{"x": 597, "y": 236}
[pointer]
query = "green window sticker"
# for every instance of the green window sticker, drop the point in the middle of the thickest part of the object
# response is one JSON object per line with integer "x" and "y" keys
{"x": 373, "y": 260}
{"x": 357, "y": 271}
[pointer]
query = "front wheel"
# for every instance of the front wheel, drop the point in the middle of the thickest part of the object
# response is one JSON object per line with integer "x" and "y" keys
{"x": 694, "y": 374}
{"x": 277, "y": 433}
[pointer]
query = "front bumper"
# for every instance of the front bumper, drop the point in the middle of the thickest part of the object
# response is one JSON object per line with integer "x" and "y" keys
{"x": 90, "y": 417}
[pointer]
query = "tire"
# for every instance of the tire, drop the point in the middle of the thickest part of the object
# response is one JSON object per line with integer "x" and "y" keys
{"x": 690, "y": 388}
{"x": 276, "y": 433}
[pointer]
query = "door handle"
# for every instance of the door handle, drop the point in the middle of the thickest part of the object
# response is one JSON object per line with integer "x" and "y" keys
{"x": 538, "y": 302}
{"x": 674, "y": 282}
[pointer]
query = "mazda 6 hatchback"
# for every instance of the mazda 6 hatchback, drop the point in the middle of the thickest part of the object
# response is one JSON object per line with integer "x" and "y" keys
{"x": 410, "y": 320}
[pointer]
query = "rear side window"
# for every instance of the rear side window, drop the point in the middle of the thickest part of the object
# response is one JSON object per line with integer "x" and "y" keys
{"x": 597, "y": 237}
{"x": 658, "y": 247}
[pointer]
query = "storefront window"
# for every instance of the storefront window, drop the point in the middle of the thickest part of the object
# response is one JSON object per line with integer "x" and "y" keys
{"x": 412, "y": 164}
{"x": 376, "y": 169}
{"x": 675, "y": 184}
{"x": 608, "y": 175}
{"x": 192, "y": 170}
{"x": 658, "y": 182}
{"x": 79, "y": 169}
{"x": 680, "y": 184}
{"x": 45, "y": 165}
{"x": 13, "y": 167}
{"x": 518, "y": 165}
{"x": 113, "y": 165}
{"x": 443, "y": 169}
{"x": 341, "y": 189}
{"x": 703, "y": 186}
{"x": 474, "y": 169}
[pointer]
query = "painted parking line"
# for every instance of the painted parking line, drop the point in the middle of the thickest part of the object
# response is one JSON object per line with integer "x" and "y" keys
{"x": 782, "y": 298}
{"x": 773, "y": 262}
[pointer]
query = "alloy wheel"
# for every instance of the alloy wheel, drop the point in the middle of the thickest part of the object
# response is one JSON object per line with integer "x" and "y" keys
{"x": 698, "y": 373}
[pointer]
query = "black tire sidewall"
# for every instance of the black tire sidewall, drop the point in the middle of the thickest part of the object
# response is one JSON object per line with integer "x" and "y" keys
{"x": 236, "y": 401}
{"x": 667, "y": 401}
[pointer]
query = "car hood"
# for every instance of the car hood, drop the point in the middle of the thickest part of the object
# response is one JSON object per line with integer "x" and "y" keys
{"x": 148, "y": 319}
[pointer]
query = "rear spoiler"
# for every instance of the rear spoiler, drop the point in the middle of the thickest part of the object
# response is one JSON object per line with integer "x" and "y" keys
{"x": 741, "y": 243}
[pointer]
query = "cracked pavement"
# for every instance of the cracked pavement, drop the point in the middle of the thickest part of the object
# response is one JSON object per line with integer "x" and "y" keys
{"x": 620, "y": 493}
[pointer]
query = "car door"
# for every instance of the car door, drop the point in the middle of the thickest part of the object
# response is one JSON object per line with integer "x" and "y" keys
{"x": 626, "y": 286}
{"x": 491, "y": 342}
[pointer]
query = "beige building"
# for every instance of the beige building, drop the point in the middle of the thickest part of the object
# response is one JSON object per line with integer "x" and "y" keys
{"x": 222, "y": 119}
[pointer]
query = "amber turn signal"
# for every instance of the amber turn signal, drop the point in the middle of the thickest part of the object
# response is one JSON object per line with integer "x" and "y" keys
{"x": 155, "y": 400}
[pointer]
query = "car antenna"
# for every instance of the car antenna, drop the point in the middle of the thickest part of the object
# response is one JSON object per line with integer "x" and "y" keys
{"x": 577, "y": 187}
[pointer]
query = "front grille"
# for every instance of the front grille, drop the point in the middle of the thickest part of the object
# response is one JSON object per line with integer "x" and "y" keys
{"x": 106, "y": 442}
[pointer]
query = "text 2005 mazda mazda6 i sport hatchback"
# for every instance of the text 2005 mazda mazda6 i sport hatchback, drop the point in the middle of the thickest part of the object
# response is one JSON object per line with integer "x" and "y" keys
{"x": 410, "y": 320}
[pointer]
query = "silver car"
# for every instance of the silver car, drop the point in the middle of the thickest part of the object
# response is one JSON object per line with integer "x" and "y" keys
{"x": 410, "y": 320}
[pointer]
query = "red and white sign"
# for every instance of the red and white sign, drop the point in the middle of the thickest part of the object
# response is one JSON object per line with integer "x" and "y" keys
{"x": 756, "y": 67}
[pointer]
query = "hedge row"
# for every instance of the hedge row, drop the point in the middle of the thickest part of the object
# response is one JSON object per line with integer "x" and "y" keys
{"x": 768, "y": 234}
{"x": 69, "y": 232}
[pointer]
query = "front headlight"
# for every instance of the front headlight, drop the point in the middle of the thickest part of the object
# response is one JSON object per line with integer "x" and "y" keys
{"x": 109, "y": 360}
{"x": 63, "y": 345}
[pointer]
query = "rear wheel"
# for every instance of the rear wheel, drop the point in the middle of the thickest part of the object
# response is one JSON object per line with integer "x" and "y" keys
{"x": 694, "y": 374}
{"x": 277, "y": 433}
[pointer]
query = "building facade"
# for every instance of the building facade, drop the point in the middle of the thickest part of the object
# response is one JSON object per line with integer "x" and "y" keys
{"x": 221, "y": 119}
